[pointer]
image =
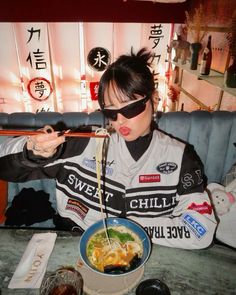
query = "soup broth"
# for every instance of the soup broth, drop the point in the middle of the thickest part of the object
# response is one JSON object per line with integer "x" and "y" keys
{"x": 123, "y": 245}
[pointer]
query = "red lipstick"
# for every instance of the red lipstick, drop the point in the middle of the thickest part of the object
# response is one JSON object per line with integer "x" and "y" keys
{"x": 124, "y": 131}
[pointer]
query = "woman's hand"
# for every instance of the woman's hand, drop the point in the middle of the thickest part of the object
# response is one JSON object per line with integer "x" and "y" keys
{"x": 45, "y": 144}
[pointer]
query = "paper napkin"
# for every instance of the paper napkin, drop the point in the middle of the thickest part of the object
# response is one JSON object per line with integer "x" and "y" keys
{"x": 32, "y": 266}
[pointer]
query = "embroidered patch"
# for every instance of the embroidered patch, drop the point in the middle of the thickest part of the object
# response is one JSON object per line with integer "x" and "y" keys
{"x": 149, "y": 178}
{"x": 91, "y": 163}
{"x": 195, "y": 226}
{"x": 203, "y": 208}
{"x": 77, "y": 207}
{"x": 167, "y": 167}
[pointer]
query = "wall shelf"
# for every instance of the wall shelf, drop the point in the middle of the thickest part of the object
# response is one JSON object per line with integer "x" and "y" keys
{"x": 215, "y": 78}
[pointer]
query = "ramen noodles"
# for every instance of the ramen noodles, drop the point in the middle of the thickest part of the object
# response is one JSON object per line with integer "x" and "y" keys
{"x": 119, "y": 250}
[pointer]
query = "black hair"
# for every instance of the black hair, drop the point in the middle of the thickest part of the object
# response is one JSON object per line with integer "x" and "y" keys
{"x": 130, "y": 75}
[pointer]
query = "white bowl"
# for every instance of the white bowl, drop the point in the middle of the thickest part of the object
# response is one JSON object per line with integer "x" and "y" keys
{"x": 111, "y": 222}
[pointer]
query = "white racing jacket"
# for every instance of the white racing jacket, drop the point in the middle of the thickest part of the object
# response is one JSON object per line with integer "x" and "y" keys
{"x": 163, "y": 190}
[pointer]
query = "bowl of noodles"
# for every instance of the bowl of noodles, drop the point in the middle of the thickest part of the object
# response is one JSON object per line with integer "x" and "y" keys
{"x": 114, "y": 246}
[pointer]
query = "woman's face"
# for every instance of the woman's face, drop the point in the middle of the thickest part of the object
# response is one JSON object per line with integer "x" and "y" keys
{"x": 129, "y": 129}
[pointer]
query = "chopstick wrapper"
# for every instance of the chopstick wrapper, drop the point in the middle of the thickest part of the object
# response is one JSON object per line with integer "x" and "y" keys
{"x": 32, "y": 266}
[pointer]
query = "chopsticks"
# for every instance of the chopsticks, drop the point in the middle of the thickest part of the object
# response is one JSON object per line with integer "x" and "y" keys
{"x": 66, "y": 134}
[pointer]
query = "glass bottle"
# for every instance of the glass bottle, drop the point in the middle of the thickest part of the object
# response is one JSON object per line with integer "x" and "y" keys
{"x": 230, "y": 79}
{"x": 195, "y": 49}
{"x": 205, "y": 66}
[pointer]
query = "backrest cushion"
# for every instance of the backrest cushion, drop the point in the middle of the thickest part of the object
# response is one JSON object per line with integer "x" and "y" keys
{"x": 212, "y": 134}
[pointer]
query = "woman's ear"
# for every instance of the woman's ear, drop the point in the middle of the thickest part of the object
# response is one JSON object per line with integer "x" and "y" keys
{"x": 155, "y": 100}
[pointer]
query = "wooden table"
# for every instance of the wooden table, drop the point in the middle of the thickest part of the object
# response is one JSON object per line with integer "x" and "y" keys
{"x": 186, "y": 272}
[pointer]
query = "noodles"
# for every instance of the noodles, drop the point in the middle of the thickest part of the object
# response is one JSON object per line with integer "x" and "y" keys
{"x": 121, "y": 249}
{"x": 99, "y": 148}
{"x": 115, "y": 246}
{"x": 99, "y": 156}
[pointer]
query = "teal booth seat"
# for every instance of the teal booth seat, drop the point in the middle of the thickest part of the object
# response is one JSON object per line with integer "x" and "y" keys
{"x": 213, "y": 135}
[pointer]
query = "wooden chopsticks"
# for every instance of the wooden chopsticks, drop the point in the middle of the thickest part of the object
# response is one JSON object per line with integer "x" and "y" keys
{"x": 9, "y": 132}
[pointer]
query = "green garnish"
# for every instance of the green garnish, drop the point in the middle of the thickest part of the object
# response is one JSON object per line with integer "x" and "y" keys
{"x": 122, "y": 237}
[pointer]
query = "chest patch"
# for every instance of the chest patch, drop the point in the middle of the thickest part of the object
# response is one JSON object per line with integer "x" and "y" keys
{"x": 167, "y": 167}
{"x": 149, "y": 178}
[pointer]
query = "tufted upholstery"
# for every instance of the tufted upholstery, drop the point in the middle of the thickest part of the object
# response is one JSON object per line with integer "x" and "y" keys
{"x": 59, "y": 121}
{"x": 213, "y": 135}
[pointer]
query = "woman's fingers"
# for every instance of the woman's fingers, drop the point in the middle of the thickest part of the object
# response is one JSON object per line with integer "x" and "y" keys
{"x": 45, "y": 144}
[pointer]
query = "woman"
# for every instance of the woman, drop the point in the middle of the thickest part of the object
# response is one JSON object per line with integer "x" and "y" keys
{"x": 148, "y": 176}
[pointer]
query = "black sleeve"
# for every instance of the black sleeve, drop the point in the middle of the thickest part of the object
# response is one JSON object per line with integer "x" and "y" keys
{"x": 192, "y": 177}
{"x": 24, "y": 165}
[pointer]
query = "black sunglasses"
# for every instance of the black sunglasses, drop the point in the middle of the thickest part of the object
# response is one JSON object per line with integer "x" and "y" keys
{"x": 130, "y": 111}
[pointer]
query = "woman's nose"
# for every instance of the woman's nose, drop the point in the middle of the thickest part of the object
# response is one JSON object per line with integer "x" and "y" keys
{"x": 120, "y": 119}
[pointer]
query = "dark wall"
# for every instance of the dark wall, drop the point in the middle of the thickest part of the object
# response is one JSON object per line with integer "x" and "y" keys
{"x": 92, "y": 11}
